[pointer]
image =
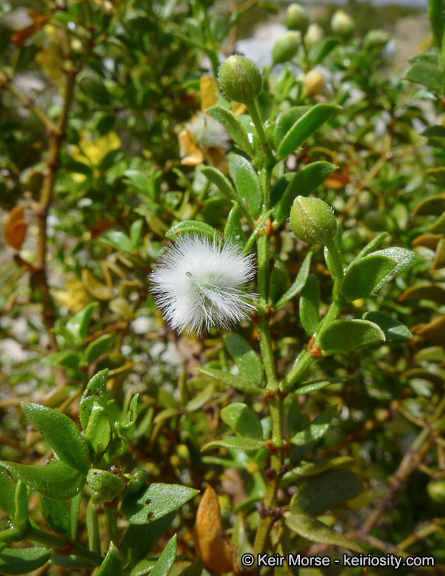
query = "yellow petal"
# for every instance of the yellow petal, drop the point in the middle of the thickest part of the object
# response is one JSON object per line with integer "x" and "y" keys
{"x": 209, "y": 91}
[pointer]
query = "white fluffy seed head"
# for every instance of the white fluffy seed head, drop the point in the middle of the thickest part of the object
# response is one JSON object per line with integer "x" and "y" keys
{"x": 199, "y": 283}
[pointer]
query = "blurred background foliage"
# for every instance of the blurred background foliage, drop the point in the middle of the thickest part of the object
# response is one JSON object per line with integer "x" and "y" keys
{"x": 101, "y": 146}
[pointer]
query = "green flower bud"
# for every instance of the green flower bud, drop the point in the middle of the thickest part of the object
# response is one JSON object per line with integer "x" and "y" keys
{"x": 240, "y": 79}
{"x": 297, "y": 18}
{"x": 286, "y": 47}
{"x": 314, "y": 35}
{"x": 375, "y": 39}
{"x": 313, "y": 221}
{"x": 342, "y": 24}
{"x": 313, "y": 82}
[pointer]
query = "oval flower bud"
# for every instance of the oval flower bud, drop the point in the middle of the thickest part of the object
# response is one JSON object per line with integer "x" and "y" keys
{"x": 313, "y": 82}
{"x": 286, "y": 47}
{"x": 313, "y": 36}
{"x": 342, "y": 24}
{"x": 240, "y": 79}
{"x": 297, "y": 18}
{"x": 313, "y": 221}
{"x": 375, "y": 39}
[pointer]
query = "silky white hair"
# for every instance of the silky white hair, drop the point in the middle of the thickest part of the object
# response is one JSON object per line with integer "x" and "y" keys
{"x": 199, "y": 283}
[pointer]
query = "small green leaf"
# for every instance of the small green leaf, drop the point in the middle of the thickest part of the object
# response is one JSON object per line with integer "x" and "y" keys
{"x": 201, "y": 399}
{"x": 437, "y": 18}
{"x": 363, "y": 277}
{"x": 190, "y": 227}
{"x": 56, "y": 514}
{"x": 427, "y": 74}
{"x": 424, "y": 292}
{"x": 433, "y": 205}
{"x": 237, "y": 381}
{"x": 130, "y": 417}
{"x": 405, "y": 259}
{"x": 166, "y": 559}
{"x": 62, "y": 435}
{"x": 93, "y": 528}
{"x": 392, "y": 328}
{"x": 112, "y": 565}
{"x": 233, "y": 126}
{"x": 139, "y": 540}
{"x": 319, "y": 52}
{"x": 75, "y": 505}
{"x": 98, "y": 432}
{"x": 304, "y": 127}
{"x": 221, "y": 182}
{"x": 286, "y": 120}
{"x": 236, "y": 443}
{"x": 318, "y": 466}
{"x": 278, "y": 279}
{"x": 156, "y": 501}
{"x": 305, "y": 181}
{"x": 245, "y": 358}
{"x": 95, "y": 391}
{"x": 243, "y": 420}
{"x": 7, "y": 493}
{"x": 325, "y": 491}
{"x": 371, "y": 246}
{"x": 97, "y": 347}
{"x": 345, "y": 335}
{"x": 23, "y": 560}
{"x": 56, "y": 480}
{"x": 118, "y": 240}
{"x": 314, "y": 385}
{"x": 309, "y": 305}
{"x": 136, "y": 233}
{"x": 299, "y": 282}
{"x": 316, "y": 429}
{"x": 247, "y": 185}
{"x": 78, "y": 324}
{"x": 233, "y": 231}
{"x": 64, "y": 359}
{"x": 315, "y": 531}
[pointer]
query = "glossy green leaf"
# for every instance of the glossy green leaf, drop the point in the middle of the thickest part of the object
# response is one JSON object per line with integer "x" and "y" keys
{"x": 318, "y": 466}
{"x": 243, "y": 420}
{"x": 233, "y": 126}
{"x": 190, "y": 227}
{"x": 314, "y": 385}
{"x": 427, "y": 74}
{"x": 431, "y": 206}
{"x": 96, "y": 391}
{"x": 303, "y": 183}
{"x": 7, "y": 492}
{"x": 118, "y": 240}
{"x": 319, "y": 52}
{"x": 78, "y": 324}
{"x": 371, "y": 246}
{"x": 143, "y": 568}
{"x": 139, "y": 540}
{"x": 405, "y": 259}
{"x": 221, "y": 182}
{"x": 237, "y": 381}
{"x": 278, "y": 279}
{"x": 112, "y": 565}
{"x": 363, "y": 277}
{"x": 315, "y": 531}
{"x": 286, "y": 120}
{"x": 298, "y": 284}
{"x": 97, "y": 347}
{"x": 62, "y": 435}
{"x": 56, "y": 514}
{"x": 233, "y": 231}
{"x": 98, "y": 432}
{"x": 304, "y": 127}
{"x": 56, "y": 480}
{"x": 309, "y": 305}
{"x": 316, "y": 429}
{"x": 23, "y": 560}
{"x": 392, "y": 328}
{"x": 156, "y": 501}
{"x": 245, "y": 358}
{"x": 246, "y": 183}
{"x": 345, "y": 335}
{"x": 325, "y": 491}
{"x": 64, "y": 359}
{"x": 106, "y": 486}
{"x": 166, "y": 559}
{"x": 130, "y": 417}
{"x": 236, "y": 443}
